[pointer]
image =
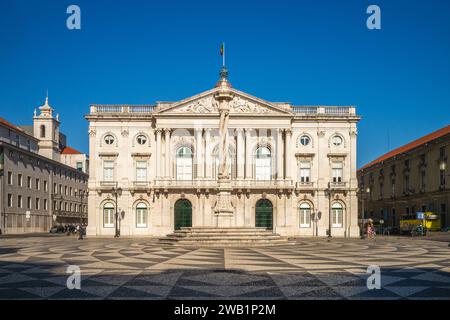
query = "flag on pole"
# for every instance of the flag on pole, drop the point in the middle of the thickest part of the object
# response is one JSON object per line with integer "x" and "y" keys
{"x": 222, "y": 53}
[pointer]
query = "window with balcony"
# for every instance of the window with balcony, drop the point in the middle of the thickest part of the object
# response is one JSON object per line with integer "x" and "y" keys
{"x": 184, "y": 163}
{"x": 422, "y": 180}
{"x": 263, "y": 164}
{"x": 305, "y": 215}
{"x": 337, "y": 171}
{"x": 10, "y": 200}
{"x": 141, "y": 171}
{"x": 305, "y": 171}
{"x": 406, "y": 186}
{"x": 337, "y": 215}
{"x": 141, "y": 215}
{"x": 108, "y": 215}
{"x": 108, "y": 171}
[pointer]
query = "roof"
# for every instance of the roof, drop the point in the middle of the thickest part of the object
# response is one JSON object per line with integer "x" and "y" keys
{"x": 410, "y": 146}
{"x": 16, "y": 128}
{"x": 10, "y": 125}
{"x": 69, "y": 150}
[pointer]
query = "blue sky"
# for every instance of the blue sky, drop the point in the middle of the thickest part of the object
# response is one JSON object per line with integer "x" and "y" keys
{"x": 305, "y": 52}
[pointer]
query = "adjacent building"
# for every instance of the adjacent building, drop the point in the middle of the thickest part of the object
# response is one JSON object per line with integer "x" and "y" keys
{"x": 156, "y": 168}
{"x": 43, "y": 182}
{"x": 412, "y": 178}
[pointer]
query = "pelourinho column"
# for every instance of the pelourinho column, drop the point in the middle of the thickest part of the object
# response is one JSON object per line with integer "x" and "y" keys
{"x": 224, "y": 210}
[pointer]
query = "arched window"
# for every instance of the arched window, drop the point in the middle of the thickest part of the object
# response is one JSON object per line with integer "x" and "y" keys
{"x": 305, "y": 215}
{"x": 337, "y": 215}
{"x": 263, "y": 164}
{"x": 184, "y": 163}
{"x": 108, "y": 215}
{"x": 42, "y": 134}
{"x": 141, "y": 215}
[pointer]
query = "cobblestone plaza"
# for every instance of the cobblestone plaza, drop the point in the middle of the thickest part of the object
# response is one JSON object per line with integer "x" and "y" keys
{"x": 142, "y": 268}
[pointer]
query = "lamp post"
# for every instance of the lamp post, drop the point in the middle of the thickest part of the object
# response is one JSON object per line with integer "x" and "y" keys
{"x": 329, "y": 191}
{"x": 82, "y": 193}
{"x": 116, "y": 193}
{"x": 363, "y": 194}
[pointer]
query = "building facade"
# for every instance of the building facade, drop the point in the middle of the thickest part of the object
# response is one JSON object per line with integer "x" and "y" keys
{"x": 37, "y": 190}
{"x": 410, "y": 179}
{"x": 160, "y": 167}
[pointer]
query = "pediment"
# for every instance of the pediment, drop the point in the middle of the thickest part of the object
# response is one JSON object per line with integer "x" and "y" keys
{"x": 241, "y": 103}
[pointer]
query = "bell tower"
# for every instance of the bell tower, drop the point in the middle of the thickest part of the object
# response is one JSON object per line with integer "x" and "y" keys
{"x": 46, "y": 129}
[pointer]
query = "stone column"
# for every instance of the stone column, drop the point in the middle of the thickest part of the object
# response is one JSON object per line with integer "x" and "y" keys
{"x": 198, "y": 152}
{"x": 207, "y": 157}
{"x": 168, "y": 159}
{"x": 288, "y": 154}
{"x": 158, "y": 153}
{"x": 279, "y": 154}
{"x": 248, "y": 155}
{"x": 240, "y": 155}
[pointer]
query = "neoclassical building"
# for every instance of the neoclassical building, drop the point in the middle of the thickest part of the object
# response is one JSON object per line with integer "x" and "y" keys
{"x": 223, "y": 158}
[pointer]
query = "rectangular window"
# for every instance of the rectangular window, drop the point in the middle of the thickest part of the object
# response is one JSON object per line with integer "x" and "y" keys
{"x": 55, "y": 188}
{"x": 29, "y": 182}
{"x": 337, "y": 171}
{"x": 108, "y": 217}
{"x": 442, "y": 178}
{"x": 305, "y": 171}
{"x": 10, "y": 200}
{"x": 45, "y": 186}
{"x": 407, "y": 183}
{"x": 79, "y": 166}
{"x": 10, "y": 178}
{"x": 422, "y": 180}
{"x": 108, "y": 171}
{"x": 29, "y": 203}
{"x": 38, "y": 184}
{"x": 65, "y": 190}
{"x": 45, "y": 204}
{"x": 141, "y": 171}
{"x": 38, "y": 204}
{"x": 19, "y": 201}
{"x": 19, "y": 179}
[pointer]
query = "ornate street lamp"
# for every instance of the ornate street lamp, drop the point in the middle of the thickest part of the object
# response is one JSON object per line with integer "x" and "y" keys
{"x": 330, "y": 193}
{"x": 116, "y": 193}
{"x": 363, "y": 194}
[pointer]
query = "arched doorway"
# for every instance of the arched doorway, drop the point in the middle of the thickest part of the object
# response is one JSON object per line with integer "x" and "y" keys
{"x": 183, "y": 214}
{"x": 264, "y": 214}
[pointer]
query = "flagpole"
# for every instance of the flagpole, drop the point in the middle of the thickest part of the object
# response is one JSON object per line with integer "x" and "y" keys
{"x": 223, "y": 56}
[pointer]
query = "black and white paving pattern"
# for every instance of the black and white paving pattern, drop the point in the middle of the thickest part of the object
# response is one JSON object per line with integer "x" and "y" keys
{"x": 36, "y": 268}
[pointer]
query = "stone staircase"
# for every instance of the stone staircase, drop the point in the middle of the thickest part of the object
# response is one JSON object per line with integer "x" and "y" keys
{"x": 223, "y": 237}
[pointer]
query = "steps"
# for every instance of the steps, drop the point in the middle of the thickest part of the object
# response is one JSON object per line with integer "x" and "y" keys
{"x": 223, "y": 237}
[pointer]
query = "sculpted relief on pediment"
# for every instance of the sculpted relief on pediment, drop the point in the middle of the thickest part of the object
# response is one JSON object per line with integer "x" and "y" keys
{"x": 211, "y": 105}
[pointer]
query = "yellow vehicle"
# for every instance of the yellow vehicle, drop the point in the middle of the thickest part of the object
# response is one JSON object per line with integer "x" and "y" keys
{"x": 410, "y": 222}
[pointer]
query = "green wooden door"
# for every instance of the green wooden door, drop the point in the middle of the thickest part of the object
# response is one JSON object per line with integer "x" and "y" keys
{"x": 183, "y": 214}
{"x": 264, "y": 214}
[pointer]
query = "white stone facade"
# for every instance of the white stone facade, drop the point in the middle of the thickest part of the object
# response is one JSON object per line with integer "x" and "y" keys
{"x": 153, "y": 156}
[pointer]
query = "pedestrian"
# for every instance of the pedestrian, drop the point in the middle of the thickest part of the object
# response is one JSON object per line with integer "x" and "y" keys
{"x": 80, "y": 232}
